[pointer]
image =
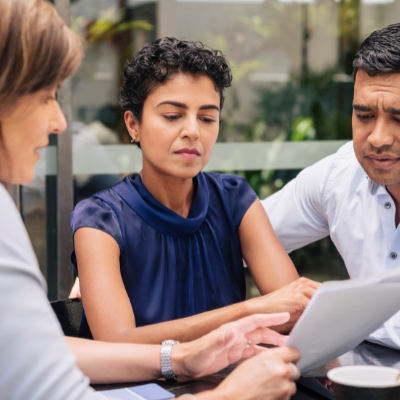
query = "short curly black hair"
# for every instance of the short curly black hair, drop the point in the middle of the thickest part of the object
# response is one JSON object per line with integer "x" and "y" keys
{"x": 157, "y": 61}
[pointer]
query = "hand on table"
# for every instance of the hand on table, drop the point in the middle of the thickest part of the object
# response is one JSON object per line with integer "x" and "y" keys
{"x": 226, "y": 345}
{"x": 292, "y": 298}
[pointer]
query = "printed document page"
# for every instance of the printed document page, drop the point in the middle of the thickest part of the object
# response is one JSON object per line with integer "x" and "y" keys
{"x": 341, "y": 314}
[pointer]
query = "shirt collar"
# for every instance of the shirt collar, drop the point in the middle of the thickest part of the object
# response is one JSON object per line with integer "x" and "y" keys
{"x": 135, "y": 194}
{"x": 375, "y": 188}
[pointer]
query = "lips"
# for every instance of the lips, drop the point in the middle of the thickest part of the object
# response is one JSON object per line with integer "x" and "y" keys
{"x": 189, "y": 154}
{"x": 382, "y": 161}
{"x": 188, "y": 151}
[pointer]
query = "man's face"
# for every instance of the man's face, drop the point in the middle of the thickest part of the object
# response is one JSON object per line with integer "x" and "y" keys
{"x": 376, "y": 126}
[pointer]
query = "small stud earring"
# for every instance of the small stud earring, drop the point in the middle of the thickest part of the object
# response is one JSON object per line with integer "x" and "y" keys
{"x": 134, "y": 139}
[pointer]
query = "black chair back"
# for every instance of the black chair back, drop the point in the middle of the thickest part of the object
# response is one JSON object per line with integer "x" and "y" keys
{"x": 69, "y": 313}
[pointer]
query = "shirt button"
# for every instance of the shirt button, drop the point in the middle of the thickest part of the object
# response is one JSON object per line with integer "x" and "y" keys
{"x": 387, "y": 205}
{"x": 393, "y": 256}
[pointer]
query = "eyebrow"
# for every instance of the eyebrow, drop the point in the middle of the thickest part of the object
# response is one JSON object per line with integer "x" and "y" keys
{"x": 185, "y": 107}
{"x": 394, "y": 111}
{"x": 363, "y": 107}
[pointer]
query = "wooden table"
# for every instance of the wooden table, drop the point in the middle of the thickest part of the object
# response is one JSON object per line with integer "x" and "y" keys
{"x": 364, "y": 354}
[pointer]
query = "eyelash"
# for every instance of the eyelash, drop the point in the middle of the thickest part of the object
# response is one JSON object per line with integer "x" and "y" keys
{"x": 171, "y": 117}
{"x": 175, "y": 117}
{"x": 367, "y": 117}
{"x": 208, "y": 120}
{"x": 364, "y": 117}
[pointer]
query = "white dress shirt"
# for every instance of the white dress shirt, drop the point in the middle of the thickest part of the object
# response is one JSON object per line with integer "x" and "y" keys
{"x": 35, "y": 362}
{"x": 335, "y": 197}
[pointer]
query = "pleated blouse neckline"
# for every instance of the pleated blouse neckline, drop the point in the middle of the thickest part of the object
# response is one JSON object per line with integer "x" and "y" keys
{"x": 135, "y": 194}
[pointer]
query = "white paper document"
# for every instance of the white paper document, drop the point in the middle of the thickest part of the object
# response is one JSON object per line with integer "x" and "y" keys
{"x": 341, "y": 314}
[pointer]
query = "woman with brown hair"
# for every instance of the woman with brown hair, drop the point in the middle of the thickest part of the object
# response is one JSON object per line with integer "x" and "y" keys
{"x": 37, "y": 52}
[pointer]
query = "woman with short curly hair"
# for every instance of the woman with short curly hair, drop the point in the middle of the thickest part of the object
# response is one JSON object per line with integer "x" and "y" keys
{"x": 38, "y": 51}
{"x": 160, "y": 254}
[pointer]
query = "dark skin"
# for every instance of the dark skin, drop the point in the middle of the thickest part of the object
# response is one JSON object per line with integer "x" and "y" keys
{"x": 376, "y": 134}
{"x": 376, "y": 130}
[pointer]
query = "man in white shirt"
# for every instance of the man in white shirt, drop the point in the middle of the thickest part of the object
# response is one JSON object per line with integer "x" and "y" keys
{"x": 354, "y": 195}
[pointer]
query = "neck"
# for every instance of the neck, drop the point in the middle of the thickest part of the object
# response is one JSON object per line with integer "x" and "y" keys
{"x": 174, "y": 193}
{"x": 394, "y": 191}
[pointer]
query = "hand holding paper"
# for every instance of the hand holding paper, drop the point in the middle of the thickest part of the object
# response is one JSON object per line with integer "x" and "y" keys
{"x": 342, "y": 314}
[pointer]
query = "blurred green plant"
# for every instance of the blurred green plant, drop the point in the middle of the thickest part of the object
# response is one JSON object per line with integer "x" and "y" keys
{"x": 111, "y": 23}
{"x": 316, "y": 108}
{"x": 115, "y": 26}
{"x": 319, "y": 110}
{"x": 303, "y": 129}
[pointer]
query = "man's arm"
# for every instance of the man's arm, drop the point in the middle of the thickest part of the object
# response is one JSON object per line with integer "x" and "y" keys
{"x": 297, "y": 212}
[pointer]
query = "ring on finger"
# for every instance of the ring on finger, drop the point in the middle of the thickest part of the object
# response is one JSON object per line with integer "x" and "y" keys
{"x": 296, "y": 371}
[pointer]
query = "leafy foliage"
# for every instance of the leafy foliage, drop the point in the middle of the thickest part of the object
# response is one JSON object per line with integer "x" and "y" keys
{"x": 112, "y": 23}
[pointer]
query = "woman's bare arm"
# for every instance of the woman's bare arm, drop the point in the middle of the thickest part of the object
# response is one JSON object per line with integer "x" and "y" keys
{"x": 268, "y": 262}
{"x": 107, "y": 305}
{"x": 116, "y": 362}
{"x": 121, "y": 362}
{"x": 109, "y": 311}
{"x": 266, "y": 375}
{"x": 270, "y": 266}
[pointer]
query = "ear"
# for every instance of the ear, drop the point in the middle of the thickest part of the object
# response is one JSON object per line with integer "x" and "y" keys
{"x": 132, "y": 124}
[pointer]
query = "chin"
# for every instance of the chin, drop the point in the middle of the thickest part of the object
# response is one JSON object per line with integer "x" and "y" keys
{"x": 25, "y": 177}
{"x": 383, "y": 177}
{"x": 186, "y": 173}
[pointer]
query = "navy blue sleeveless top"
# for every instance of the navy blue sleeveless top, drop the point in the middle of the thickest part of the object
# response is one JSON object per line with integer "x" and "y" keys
{"x": 173, "y": 267}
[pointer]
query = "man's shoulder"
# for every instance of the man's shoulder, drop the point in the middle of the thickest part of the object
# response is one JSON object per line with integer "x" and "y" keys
{"x": 346, "y": 153}
{"x": 336, "y": 173}
{"x": 345, "y": 165}
{"x": 325, "y": 181}
{"x": 342, "y": 165}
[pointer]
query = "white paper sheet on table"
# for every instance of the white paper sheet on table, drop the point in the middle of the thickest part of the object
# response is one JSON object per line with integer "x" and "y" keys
{"x": 341, "y": 314}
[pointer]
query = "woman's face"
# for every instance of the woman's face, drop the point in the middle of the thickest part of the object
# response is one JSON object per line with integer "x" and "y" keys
{"x": 25, "y": 131}
{"x": 179, "y": 126}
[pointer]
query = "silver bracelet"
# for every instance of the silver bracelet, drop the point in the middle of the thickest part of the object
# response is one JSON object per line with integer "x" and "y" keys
{"x": 166, "y": 364}
{"x": 187, "y": 396}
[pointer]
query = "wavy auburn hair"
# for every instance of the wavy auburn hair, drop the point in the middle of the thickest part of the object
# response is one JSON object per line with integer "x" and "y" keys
{"x": 37, "y": 50}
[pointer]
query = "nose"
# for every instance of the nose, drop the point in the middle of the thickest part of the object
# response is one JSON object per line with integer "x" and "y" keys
{"x": 58, "y": 122}
{"x": 191, "y": 128}
{"x": 381, "y": 134}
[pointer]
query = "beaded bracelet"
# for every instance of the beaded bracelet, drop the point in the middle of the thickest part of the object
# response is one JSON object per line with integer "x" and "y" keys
{"x": 187, "y": 396}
